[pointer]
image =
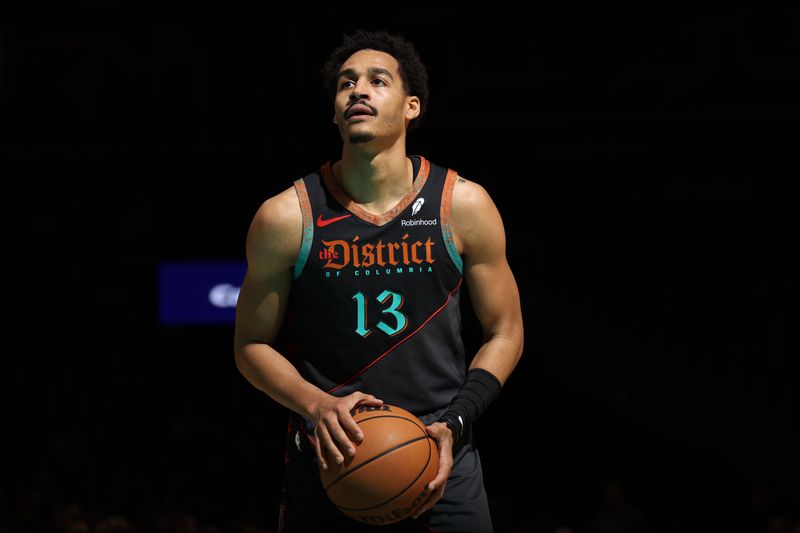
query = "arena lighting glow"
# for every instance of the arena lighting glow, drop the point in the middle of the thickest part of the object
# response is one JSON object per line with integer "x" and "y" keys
{"x": 198, "y": 292}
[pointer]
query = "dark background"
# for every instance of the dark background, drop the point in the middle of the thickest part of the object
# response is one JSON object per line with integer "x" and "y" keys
{"x": 644, "y": 163}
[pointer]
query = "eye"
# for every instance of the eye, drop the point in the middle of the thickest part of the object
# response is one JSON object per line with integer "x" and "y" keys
{"x": 345, "y": 84}
{"x": 378, "y": 81}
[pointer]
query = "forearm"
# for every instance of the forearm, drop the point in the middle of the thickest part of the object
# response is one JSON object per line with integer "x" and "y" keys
{"x": 490, "y": 368}
{"x": 500, "y": 353}
{"x": 273, "y": 374}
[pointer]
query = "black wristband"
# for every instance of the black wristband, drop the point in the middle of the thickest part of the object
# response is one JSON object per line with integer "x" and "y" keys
{"x": 480, "y": 388}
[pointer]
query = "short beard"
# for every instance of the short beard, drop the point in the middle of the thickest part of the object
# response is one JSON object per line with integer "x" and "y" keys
{"x": 360, "y": 138}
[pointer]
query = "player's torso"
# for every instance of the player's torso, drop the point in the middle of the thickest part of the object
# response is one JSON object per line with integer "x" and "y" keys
{"x": 374, "y": 304}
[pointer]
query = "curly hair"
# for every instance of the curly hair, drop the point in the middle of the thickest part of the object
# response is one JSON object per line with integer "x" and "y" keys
{"x": 412, "y": 71}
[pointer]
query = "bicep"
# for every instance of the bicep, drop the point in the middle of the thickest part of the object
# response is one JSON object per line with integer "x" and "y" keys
{"x": 492, "y": 287}
{"x": 273, "y": 242}
{"x": 494, "y": 294}
{"x": 262, "y": 305}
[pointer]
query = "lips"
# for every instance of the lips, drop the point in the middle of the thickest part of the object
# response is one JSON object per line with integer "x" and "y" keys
{"x": 359, "y": 109}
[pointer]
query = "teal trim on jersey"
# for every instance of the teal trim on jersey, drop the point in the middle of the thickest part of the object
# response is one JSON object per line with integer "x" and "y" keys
{"x": 305, "y": 248}
{"x": 450, "y": 243}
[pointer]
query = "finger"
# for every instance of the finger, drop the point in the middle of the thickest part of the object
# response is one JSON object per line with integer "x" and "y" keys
{"x": 351, "y": 426}
{"x": 346, "y": 418}
{"x": 440, "y": 432}
{"x": 434, "y": 497}
{"x": 337, "y": 433}
{"x": 445, "y": 466}
{"x": 318, "y": 449}
{"x": 440, "y": 479}
{"x": 369, "y": 399}
{"x": 329, "y": 445}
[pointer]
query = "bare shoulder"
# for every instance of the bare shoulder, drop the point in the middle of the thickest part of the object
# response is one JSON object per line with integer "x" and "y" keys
{"x": 279, "y": 211}
{"x": 277, "y": 227}
{"x": 469, "y": 195}
{"x": 477, "y": 225}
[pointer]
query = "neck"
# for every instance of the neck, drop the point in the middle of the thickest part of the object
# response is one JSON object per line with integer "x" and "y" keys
{"x": 377, "y": 181}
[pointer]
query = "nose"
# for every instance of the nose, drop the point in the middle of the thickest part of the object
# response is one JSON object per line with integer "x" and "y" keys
{"x": 358, "y": 92}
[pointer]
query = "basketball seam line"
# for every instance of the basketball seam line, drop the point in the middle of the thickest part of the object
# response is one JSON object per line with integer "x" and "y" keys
{"x": 427, "y": 462}
{"x": 371, "y": 459}
{"x": 401, "y": 417}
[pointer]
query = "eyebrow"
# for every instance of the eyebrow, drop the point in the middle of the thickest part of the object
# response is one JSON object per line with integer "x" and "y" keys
{"x": 351, "y": 73}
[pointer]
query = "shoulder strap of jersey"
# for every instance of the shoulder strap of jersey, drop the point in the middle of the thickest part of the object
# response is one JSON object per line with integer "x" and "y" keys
{"x": 308, "y": 226}
{"x": 447, "y": 225}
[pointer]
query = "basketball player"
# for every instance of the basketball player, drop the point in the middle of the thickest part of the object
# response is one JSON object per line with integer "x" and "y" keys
{"x": 363, "y": 262}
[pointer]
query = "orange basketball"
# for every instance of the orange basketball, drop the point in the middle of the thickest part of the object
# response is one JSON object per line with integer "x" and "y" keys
{"x": 387, "y": 479}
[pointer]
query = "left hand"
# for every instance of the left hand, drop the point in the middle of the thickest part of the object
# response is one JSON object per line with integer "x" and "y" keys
{"x": 444, "y": 440}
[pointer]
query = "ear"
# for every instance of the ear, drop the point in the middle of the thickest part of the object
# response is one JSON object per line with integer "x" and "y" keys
{"x": 412, "y": 107}
{"x": 334, "y": 119}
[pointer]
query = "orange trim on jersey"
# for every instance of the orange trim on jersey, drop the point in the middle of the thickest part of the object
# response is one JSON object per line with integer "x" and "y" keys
{"x": 308, "y": 226}
{"x": 390, "y": 350}
{"x": 447, "y": 226}
{"x": 305, "y": 202}
{"x": 375, "y": 219}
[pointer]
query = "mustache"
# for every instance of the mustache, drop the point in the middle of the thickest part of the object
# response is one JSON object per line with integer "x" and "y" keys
{"x": 349, "y": 113}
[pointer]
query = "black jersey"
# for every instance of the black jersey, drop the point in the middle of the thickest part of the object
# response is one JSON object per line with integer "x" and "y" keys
{"x": 374, "y": 304}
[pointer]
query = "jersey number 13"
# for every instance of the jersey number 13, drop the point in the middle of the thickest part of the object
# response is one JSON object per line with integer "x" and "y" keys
{"x": 392, "y": 302}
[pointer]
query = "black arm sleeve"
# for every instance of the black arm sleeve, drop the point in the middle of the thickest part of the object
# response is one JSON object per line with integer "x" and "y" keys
{"x": 480, "y": 388}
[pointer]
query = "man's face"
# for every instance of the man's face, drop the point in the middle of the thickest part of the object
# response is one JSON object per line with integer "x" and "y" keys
{"x": 370, "y": 100}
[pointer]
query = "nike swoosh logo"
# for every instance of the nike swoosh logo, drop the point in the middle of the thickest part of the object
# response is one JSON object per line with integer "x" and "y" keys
{"x": 322, "y": 223}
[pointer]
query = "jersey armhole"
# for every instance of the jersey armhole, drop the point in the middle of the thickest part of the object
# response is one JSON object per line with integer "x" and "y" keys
{"x": 308, "y": 227}
{"x": 447, "y": 226}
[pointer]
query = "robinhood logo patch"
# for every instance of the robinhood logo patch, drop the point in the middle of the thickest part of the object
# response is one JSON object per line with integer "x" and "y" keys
{"x": 417, "y": 206}
{"x": 420, "y": 222}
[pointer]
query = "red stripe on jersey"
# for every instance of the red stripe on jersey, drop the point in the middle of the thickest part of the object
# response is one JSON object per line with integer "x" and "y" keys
{"x": 387, "y": 352}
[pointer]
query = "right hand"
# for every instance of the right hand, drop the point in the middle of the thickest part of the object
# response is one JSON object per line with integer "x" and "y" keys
{"x": 336, "y": 432}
